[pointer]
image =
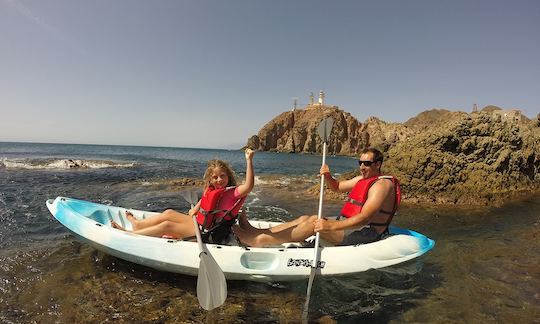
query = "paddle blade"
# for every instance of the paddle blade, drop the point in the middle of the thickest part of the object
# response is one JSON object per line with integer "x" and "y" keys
{"x": 211, "y": 283}
{"x": 325, "y": 128}
{"x": 305, "y": 311}
{"x": 194, "y": 197}
{"x": 190, "y": 196}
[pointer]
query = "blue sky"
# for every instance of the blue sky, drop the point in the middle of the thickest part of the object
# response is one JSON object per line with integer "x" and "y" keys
{"x": 212, "y": 73}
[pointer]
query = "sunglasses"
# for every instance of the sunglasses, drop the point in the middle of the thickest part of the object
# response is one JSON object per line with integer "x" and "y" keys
{"x": 366, "y": 163}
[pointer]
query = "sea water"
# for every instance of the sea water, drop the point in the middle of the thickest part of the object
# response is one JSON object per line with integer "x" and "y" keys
{"x": 483, "y": 268}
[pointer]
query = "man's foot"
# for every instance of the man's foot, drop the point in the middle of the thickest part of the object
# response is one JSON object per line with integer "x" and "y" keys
{"x": 249, "y": 238}
{"x": 134, "y": 221}
{"x": 244, "y": 223}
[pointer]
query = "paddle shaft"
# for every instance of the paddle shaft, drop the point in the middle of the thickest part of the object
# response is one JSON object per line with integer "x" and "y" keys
{"x": 321, "y": 195}
{"x": 316, "y": 250}
{"x": 198, "y": 234}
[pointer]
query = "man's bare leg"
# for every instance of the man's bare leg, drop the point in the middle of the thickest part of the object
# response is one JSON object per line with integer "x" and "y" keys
{"x": 244, "y": 223}
{"x": 293, "y": 223}
{"x": 295, "y": 231}
{"x": 278, "y": 228}
{"x": 334, "y": 237}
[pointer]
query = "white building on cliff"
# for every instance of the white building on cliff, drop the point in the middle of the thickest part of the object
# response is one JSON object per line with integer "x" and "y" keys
{"x": 319, "y": 104}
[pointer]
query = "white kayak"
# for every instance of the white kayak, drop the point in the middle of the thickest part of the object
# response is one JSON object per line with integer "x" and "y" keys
{"x": 91, "y": 223}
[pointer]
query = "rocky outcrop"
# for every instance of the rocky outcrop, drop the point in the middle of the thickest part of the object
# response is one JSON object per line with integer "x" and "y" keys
{"x": 434, "y": 118}
{"x": 440, "y": 156}
{"x": 471, "y": 159}
{"x": 296, "y": 132}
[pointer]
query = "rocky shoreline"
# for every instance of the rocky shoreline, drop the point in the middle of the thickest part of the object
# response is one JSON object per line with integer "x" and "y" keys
{"x": 308, "y": 189}
{"x": 484, "y": 158}
{"x": 441, "y": 157}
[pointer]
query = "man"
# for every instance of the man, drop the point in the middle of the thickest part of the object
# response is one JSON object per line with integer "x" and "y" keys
{"x": 372, "y": 202}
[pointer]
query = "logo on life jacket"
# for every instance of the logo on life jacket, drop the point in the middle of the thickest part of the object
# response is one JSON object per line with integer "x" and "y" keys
{"x": 209, "y": 215}
{"x": 359, "y": 194}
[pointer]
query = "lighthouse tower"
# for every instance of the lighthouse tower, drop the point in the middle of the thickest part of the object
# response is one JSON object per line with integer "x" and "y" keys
{"x": 321, "y": 98}
{"x": 320, "y": 104}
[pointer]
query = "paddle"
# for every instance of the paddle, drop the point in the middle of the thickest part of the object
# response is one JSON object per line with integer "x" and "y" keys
{"x": 324, "y": 129}
{"x": 211, "y": 283}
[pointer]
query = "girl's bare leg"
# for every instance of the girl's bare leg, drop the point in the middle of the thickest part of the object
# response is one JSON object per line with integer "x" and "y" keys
{"x": 167, "y": 215}
{"x": 182, "y": 227}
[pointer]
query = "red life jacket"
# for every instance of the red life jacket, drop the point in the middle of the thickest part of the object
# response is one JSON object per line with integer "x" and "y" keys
{"x": 209, "y": 216}
{"x": 359, "y": 194}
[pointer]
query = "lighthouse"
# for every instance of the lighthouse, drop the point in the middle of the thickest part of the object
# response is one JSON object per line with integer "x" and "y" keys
{"x": 319, "y": 104}
{"x": 321, "y": 98}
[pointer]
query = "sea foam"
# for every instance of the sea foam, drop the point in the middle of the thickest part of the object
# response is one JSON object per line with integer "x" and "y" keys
{"x": 62, "y": 164}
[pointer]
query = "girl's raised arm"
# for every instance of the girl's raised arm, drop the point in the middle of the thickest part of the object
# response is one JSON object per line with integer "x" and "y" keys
{"x": 245, "y": 188}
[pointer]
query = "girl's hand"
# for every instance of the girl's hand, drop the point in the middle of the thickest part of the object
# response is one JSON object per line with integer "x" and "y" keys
{"x": 192, "y": 212}
{"x": 249, "y": 154}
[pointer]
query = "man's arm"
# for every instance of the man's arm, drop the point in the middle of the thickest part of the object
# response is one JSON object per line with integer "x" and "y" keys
{"x": 376, "y": 197}
{"x": 336, "y": 185}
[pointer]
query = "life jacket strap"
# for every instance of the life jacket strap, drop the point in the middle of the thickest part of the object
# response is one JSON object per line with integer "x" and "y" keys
{"x": 218, "y": 221}
{"x": 382, "y": 224}
{"x": 354, "y": 201}
{"x": 219, "y": 232}
{"x": 394, "y": 209}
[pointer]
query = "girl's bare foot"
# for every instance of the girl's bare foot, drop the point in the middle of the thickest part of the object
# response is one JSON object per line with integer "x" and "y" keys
{"x": 134, "y": 221}
{"x": 117, "y": 226}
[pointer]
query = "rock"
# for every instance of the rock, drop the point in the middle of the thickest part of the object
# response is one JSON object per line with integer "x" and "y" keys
{"x": 296, "y": 132}
{"x": 491, "y": 108}
{"x": 439, "y": 155}
{"x": 471, "y": 160}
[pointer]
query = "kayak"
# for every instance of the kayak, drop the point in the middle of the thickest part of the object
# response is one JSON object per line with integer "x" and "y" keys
{"x": 91, "y": 223}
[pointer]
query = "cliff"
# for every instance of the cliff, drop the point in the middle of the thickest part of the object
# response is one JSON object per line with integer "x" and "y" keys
{"x": 296, "y": 132}
{"x": 439, "y": 156}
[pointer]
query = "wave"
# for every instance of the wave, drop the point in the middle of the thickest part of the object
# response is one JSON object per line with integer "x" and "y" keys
{"x": 285, "y": 180}
{"x": 62, "y": 164}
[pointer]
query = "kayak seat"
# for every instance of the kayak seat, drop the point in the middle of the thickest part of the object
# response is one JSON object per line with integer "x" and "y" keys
{"x": 99, "y": 216}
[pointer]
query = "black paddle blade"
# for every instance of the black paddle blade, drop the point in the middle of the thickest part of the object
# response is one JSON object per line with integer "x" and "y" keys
{"x": 325, "y": 128}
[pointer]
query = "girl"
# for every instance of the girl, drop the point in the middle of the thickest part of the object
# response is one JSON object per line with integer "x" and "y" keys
{"x": 216, "y": 211}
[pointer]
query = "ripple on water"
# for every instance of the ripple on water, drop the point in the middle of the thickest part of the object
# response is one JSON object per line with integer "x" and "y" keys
{"x": 483, "y": 268}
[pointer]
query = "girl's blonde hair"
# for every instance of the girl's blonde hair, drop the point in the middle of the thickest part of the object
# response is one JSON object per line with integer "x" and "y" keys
{"x": 218, "y": 164}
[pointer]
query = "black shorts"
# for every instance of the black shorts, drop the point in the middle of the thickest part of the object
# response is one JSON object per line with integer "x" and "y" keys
{"x": 363, "y": 236}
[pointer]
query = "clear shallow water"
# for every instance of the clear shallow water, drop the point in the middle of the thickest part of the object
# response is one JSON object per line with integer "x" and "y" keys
{"x": 484, "y": 267}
